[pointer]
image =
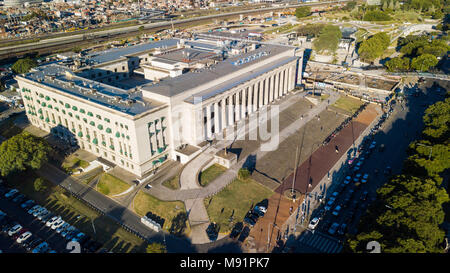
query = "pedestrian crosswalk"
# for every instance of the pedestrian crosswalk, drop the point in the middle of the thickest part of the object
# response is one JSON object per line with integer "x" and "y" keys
{"x": 318, "y": 243}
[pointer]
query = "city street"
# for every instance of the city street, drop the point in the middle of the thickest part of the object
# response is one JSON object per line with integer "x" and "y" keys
{"x": 395, "y": 134}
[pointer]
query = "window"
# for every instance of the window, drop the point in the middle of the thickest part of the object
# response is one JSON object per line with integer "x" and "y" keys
{"x": 123, "y": 68}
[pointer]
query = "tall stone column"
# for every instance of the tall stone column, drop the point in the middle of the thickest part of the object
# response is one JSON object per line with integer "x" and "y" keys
{"x": 255, "y": 97}
{"x": 271, "y": 88}
{"x": 237, "y": 106}
{"x": 230, "y": 110}
{"x": 216, "y": 117}
{"x": 250, "y": 99}
{"x": 266, "y": 91}
{"x": 244, "y": 99}
{"x": 223, "y": 115}
{"x": 208, "y": 121}
{"x": 261, "y": 94}
{"x": 277, "y": 83}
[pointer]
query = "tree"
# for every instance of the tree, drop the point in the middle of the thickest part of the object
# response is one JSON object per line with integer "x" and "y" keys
{"x": 310, "y": 29}
{"x": 397, "y": 64}
{"x": 243, "y": 173}
{"x": 374, "y": 47}
{"x": 302, "y": 12}
{"x": 23, "y": 65}
{"x": 424, "y": 62}
{"x": 76, "y": 49}
{"x": 21, "y": 152}
{"x": 156, "y": 248}
{"x": 376, "y": 15}
{"x": 39, "y": 185}
{"x": 328, "y": 39}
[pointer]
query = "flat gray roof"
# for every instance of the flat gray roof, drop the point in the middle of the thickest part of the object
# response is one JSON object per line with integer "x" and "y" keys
{"x": 116, "y": 53}
{"x": 173, "y": 86}
{"x": 55, "y": 76}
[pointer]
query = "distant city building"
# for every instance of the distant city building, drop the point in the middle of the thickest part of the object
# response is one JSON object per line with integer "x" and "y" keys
{"x": 15, "y": 3}
{"x": 374, "y": 2}
{"x": 140, "y": 105}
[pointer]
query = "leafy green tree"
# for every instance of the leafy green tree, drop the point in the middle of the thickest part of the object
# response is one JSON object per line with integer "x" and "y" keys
{"x": 156, "y": 248}
{"x": 397, "y": 64}
{"x": 39, "y": 185}
{"x": 302, "y": 12}
{"x": 374, "y": 47}
{"x": 310, "y": 29}
{"x": 21, "y": 152}
{"x": 328, "y": 39}
{"x": 376, "y": 15}
{"x": 23, "y": 65}
{"x": 424, "y": 62}
{"x": 243, "y": 173}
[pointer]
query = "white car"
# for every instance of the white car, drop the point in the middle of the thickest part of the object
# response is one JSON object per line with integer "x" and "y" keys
{"x": 58, "y": 224}
{"x": 52, "y": 221}
{"x": 14, "y": 230}
{"x": 314, "y": 222}
{"x": 22, "y": 238}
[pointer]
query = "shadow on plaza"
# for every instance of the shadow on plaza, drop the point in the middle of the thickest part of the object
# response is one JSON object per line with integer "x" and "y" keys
{"x": 399, "y": 136}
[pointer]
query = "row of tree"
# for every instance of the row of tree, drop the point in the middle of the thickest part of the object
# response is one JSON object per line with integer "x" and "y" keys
{"x": 408, "y": 212}
{"x": 374, "y": 47}
{"x": 420, "y": 53}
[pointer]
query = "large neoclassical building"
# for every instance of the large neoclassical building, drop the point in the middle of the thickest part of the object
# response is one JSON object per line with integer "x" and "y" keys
{"x": 136, "y": 106}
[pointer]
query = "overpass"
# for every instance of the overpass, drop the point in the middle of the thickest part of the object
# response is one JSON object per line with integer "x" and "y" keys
{"x": 49, "y": 45}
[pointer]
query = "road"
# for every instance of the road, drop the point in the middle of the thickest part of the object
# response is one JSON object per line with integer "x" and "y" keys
{"x": 396, "y": 134}
{"x": 63, "y": 41}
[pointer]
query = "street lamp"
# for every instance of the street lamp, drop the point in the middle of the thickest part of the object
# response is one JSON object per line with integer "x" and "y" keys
{"x": 431, "y": 149}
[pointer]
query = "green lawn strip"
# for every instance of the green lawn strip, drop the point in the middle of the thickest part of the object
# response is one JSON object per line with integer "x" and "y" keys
{"x": 111, "y": 185}
{"x": 210, "y": 174}
{"x": 348, "y": 104}
{"x": 60, "y": 202}
{"x": 235, "y": 199}
{"x": 74, "y": 163}
{"x": 173, "y": 183}
{"x": 167, "y": 210}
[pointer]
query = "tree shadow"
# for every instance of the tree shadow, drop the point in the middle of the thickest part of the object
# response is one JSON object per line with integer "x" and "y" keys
{"x": 178, "y": 224}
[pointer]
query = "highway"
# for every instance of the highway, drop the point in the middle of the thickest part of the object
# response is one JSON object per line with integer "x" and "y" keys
{"x": 53, "y": 43}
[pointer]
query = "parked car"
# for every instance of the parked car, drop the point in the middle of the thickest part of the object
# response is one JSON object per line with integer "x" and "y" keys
{"x": 27, "y": 204}
{"x": 33, "y": 209}
{"x": 313, "y": 224}
{"x": 62, "y": 228}
{"x": 41, "y": 248}
{"x": 67, "y": 231}
{"x": 236, "y": 230}
{"x": 342, "y": 229}
{"x": 52, "y": 220}
{"x": 35, "y": 242}
{"x": 11, "y": 193}
{"x": 57, "y": 224}
{"x": 337, "y": 210}
{"x": 13, "y": 230}
{"x": 244, "y": 234}
{"x": 39, "y": 211}
{"x": 79, "y": 236}
{"x": 19, "y": 198}
{"x": 332, "y": 230}
{"x": 23, "y": 237}
{"x": 46, "y": 217}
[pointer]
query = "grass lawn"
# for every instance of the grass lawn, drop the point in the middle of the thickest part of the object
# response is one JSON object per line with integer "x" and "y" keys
{"x": 59, "y": 201}
{"x": 144, "y": 203}
{"x": 348, "y": 104}
{"x": 111, "y": 185}
{"x": 210, "y": 174}
{"x": 235, "y": 199}
{"x": 173, "y": 183}
{"x": 71, "y": 163}
{"x": 324, "y": 97}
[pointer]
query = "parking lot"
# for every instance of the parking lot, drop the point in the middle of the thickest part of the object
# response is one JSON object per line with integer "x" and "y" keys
{"x": 15, "y": 210}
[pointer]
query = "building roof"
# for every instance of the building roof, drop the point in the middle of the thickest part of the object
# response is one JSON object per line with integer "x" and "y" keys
{"x": 117, "y": 53}
{"x": 173, "y": 86}
{"x": 61, "y": 78}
